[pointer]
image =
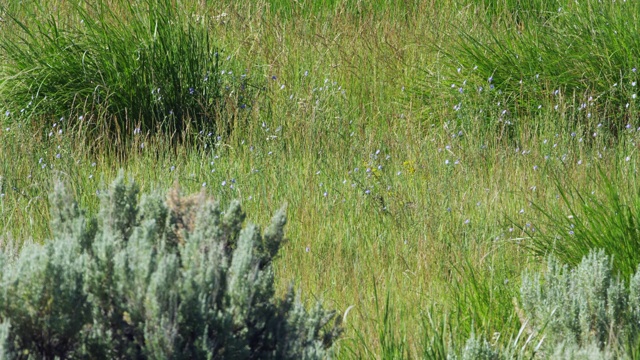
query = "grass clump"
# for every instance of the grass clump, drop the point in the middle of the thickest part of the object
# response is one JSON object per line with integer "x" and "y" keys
{"x": 155, "y": 279}
{"x": 606, "y": 218}
{"x": 143, "y": 65}
{"x": 515, "y": 11}
{"x": 583, "y": 55}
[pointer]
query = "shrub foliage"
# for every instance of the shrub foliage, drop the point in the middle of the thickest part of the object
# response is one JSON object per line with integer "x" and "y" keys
{"x": 584, "y": 312}
{"x": 587, "y": 306}
{"x": 155, "y": 278}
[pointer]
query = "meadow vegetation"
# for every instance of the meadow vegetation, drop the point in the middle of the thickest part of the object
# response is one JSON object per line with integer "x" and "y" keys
{"x": 429, "y": 153}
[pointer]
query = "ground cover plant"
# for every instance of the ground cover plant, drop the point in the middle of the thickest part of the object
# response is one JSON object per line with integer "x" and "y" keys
{"x": 419, "y": 187}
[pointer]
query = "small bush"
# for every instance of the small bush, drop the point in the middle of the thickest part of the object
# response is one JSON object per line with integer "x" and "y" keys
{"x": 584, "y": 306}
{"x": 141, "y": 65}
{"x": 174, "y": 279}
{"x": 582, "y": 313}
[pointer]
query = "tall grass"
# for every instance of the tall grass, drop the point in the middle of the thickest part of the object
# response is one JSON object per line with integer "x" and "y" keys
{"x": 328, "y": 8}
{"x": 402, "y": 191}
{"x": 514, "y": 11}
{"x": 583, "y": 51}
{"x": 144, "y": 65}
{"x": 606, "y": 218}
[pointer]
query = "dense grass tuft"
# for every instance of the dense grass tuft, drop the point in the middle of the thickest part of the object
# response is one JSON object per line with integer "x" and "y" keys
{"x": 140, "y": 66}
{"x": 606, "y": 218}
{"x": 582, "y": 54}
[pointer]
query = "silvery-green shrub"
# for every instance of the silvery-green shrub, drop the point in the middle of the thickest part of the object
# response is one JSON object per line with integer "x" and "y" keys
{"x": 584, "y": 305}
{"x": 585, "y": 312}
{"x": 5, "y": 347}
{"x": 170, "y": 278}
{"x": 479, "y": 349}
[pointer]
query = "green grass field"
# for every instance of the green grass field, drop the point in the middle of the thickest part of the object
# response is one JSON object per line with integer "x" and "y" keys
{"x": 428, "y": 152}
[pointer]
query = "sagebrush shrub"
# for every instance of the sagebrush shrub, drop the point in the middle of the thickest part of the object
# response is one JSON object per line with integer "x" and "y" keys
{"x": 585, "y": 312}
{"x": 585, "y": 305}
{"x": 176, "y": 278}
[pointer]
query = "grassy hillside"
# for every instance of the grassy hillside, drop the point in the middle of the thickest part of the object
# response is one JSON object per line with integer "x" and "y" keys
{"x": 420, "y": 148}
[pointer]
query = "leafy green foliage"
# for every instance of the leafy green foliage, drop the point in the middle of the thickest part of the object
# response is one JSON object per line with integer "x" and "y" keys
{"x": 5, "y": 347}
{"x": 155, "y": 279}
